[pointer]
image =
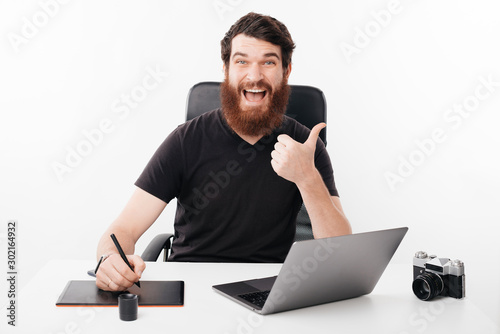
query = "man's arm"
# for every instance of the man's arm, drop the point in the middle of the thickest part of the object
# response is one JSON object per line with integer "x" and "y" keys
{"x": 139, "y": 214}
{"x": 295, "y": 162}
{"x": 325, "y": 211}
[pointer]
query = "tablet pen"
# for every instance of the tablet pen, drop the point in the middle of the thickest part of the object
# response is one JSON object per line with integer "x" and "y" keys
{"x": 122, "y": 254}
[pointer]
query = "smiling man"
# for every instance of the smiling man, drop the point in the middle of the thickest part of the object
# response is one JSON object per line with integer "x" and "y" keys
{"x": 239, "y": 173}
{"x": 255, "y": 92}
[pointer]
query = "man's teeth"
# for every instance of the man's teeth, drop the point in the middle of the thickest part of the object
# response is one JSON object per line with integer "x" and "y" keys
{"x": 254, "y": 90}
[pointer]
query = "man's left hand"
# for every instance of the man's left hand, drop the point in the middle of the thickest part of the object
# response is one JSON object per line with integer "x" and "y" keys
{"x": 294, "y": 161}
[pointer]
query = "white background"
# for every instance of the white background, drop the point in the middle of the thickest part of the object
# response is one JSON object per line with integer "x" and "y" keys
{"x": 64, "y": 68}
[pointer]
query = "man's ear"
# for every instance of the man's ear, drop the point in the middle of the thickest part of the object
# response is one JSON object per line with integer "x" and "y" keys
{"x": 288, "y": 71}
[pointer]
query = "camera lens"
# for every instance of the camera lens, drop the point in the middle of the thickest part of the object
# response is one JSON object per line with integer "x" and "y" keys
{"x": 427, "y": 286}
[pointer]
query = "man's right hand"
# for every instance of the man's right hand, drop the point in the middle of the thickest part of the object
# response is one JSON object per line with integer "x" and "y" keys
{"x": 115, "y": 275}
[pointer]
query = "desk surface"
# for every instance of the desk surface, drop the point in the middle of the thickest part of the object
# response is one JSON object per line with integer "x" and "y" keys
{"x": 390, "y": 308}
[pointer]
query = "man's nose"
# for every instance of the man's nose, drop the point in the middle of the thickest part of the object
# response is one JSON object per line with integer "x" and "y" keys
{"x": 254, "y": 73}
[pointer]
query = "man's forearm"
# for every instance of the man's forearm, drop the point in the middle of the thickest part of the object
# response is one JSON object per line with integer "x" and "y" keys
{"x": 140, "y": 212}
{"x": 107, "y": 247}
{"x": 327, "y": 218}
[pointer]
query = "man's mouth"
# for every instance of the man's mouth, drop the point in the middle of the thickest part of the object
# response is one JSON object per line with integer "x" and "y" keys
{"x": 254, "y": 95}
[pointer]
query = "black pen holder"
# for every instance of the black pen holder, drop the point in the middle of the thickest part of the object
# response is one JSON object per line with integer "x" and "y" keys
{"x": 127, "y": 306}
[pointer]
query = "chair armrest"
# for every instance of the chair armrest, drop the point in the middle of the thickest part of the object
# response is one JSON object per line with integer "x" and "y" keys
{"x": 303, "y": 229}
{"x": 154, "y": 248}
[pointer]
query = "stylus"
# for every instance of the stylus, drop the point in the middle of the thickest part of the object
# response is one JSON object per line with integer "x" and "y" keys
{"x": 122, "y": 254}
{"x": 99, "y": 264}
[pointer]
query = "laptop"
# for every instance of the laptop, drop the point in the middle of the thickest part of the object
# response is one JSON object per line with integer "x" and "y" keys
{"x": 320, "y": 271}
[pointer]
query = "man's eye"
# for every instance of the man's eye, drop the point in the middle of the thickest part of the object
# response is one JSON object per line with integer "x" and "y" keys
{"x": 241, "y": 62}
{"x": 269, "y": 62}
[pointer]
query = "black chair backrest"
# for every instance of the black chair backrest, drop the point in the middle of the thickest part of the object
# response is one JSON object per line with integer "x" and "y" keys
{"x": 306, "y": 104}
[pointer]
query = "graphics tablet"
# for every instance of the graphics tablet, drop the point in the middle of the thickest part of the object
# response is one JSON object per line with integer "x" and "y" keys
{"x": 151, "y": 293}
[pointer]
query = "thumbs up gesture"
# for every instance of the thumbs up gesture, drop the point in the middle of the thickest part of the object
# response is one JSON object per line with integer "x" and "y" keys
{"x": 292, "y": 160}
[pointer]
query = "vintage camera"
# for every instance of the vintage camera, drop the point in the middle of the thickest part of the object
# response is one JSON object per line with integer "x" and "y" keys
{"x": 434, "y": 276}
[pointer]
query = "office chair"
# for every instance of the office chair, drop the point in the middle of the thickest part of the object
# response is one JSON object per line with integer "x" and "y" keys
{"x": 307, "y": 105}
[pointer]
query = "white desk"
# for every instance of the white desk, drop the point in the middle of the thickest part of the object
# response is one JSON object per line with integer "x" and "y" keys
{"x": 390, "y": 308}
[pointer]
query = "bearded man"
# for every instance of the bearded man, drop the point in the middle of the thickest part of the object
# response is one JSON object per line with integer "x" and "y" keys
{"x": 239, "y": 173}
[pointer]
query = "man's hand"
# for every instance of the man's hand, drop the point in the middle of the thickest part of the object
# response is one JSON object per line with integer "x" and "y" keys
{"x": 294, "y": 161}
{"x": 115, "y": 275}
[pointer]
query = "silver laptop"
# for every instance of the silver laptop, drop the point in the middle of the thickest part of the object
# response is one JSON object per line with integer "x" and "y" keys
{"x": 320, "y": 271}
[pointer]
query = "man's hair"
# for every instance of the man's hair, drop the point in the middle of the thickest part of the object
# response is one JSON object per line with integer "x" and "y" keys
{"x": 262, "y": 27}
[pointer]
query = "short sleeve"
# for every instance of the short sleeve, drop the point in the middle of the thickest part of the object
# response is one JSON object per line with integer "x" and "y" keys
{"x": 162, "y": 176}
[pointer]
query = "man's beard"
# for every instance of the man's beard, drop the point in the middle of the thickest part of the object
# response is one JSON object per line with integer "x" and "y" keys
{"x": 254, "y": 121}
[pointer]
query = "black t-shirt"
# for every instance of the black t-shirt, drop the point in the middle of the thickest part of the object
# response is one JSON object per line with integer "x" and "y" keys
{"x": 231, "y": 204}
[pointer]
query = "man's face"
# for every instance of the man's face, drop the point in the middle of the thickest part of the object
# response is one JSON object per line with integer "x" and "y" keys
{"x": 255, "y": 92}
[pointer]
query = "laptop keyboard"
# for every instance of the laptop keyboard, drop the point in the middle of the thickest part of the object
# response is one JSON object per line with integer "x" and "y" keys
{"x": 257, "y": 298}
